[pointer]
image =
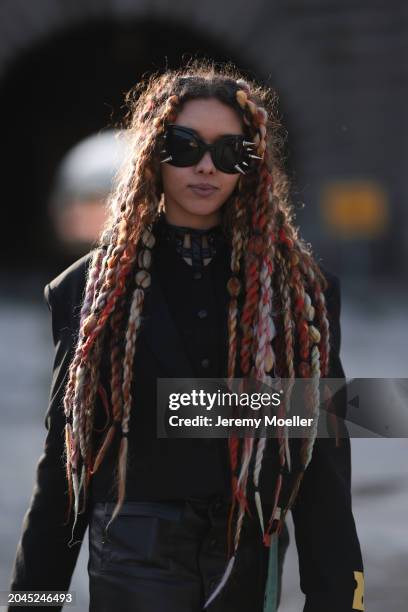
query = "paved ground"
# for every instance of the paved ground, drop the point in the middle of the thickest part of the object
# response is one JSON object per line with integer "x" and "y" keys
{"x": 380, "y": 474}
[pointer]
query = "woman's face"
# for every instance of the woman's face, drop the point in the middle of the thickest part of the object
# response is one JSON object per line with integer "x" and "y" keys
{"x": 186, "y": 200}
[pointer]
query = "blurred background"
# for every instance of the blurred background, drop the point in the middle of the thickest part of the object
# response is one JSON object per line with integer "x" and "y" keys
{"x": 341, "y": 71}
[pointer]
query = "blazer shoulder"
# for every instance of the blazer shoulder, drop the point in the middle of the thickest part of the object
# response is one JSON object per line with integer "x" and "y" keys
{"x": 64, "y": 295}
{"x": 68, "y": 287}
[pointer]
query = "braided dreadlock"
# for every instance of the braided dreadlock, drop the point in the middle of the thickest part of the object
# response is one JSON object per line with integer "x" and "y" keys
{"x": 270, "y": 264}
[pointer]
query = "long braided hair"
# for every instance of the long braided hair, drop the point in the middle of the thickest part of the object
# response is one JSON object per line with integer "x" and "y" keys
{"x": 277, "y": 305}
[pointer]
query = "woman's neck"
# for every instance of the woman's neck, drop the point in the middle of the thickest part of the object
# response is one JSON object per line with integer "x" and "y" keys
{"x": 197, "y": 246}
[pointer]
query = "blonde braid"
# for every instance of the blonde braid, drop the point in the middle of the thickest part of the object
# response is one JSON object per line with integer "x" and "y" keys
{"x": 143, "y": 280}
{"x": 266, "y": 331}
{"x": 234, "y": 286}
{"x": 234, "y": 289}
{"x": 304, "y": 312}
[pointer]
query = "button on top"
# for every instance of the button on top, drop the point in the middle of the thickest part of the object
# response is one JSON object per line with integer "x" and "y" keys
{"x": 202, "y": 314}
{"x": 205, "y": 363}
{"x": 197, "y": 275}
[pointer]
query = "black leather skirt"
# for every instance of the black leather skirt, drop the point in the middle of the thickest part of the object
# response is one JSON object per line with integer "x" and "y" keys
{"x": 170, "y": 556}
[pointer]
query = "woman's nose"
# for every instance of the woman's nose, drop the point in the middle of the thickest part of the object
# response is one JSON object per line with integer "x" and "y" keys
{"x": 206, "y": 164}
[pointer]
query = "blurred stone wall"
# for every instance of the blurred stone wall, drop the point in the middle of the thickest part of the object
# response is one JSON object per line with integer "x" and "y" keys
{"x": 339, "y": 66}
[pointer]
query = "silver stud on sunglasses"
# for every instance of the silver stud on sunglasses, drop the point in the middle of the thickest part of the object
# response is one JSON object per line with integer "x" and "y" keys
{"x": 170, "y": 157}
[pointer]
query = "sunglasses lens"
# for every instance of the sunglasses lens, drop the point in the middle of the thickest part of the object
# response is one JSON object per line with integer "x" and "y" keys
{"x": 183, "y": 147}
{"x": 228, "y": 154}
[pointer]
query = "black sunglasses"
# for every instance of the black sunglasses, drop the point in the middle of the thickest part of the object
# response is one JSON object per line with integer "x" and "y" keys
{"x": 230, "y": 153}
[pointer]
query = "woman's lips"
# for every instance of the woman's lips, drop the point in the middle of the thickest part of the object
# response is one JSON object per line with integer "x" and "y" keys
{"x": 203, "y": 190}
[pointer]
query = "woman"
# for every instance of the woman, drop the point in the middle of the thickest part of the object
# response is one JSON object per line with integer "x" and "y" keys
{"x": 199, "y": 273}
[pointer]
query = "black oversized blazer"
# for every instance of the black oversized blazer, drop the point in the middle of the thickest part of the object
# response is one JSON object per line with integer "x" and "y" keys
{"x": 326, "y": 539}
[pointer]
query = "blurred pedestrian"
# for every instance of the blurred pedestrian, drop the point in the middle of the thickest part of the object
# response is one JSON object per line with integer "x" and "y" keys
{"x": 81, "y": 188}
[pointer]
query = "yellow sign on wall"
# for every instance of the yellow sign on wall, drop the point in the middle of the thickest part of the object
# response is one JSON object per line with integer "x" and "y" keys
{"x": 355, "y": 208}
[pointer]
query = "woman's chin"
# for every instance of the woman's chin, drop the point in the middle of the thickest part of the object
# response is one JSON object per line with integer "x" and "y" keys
{"x": 200, "y": 209}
